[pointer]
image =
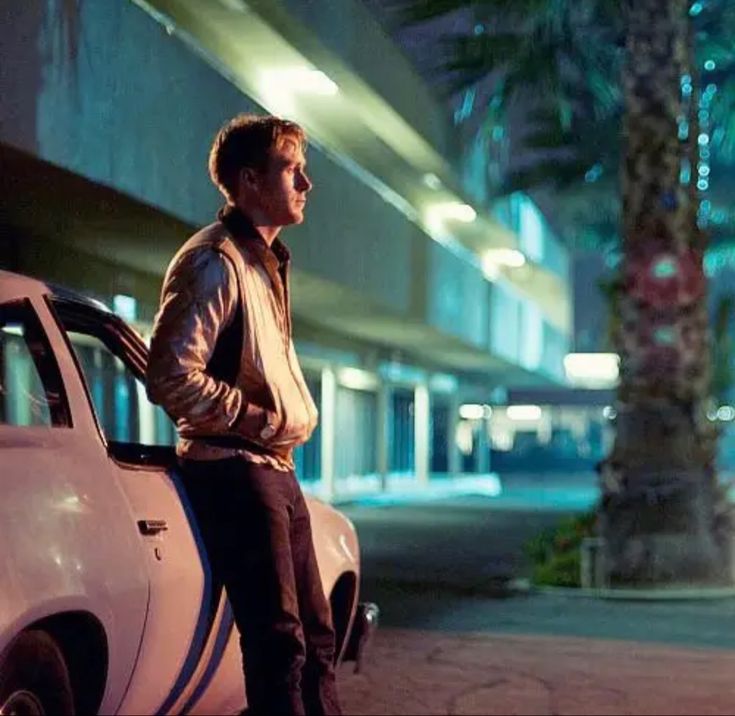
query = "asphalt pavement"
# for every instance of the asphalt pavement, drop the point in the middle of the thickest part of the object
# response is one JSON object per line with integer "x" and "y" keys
{"x": 458, "y": 636}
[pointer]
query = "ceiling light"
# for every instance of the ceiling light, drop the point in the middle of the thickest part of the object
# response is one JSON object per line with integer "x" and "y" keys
{"x": 357, "y": 379}
{"x": 456, "y": 211}
{"x": 495, "y": 259}
{"x": 513, "y": 258}
{"x": 471, "y": 411}
{"x": 443, "y": 383}
{"x": 529, "y": 413}
{"x": 592, "y": 370}
{"x": 300, "y": 80}
{"x": 237, "y": 5}
{"x": 432, "y": 180}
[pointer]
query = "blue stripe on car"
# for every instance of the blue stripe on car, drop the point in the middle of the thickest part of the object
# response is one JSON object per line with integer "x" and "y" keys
{"x": 207, "y": 609}
{"x": 223, "y": 636}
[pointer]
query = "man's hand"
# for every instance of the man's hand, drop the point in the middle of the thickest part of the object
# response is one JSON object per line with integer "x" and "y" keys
{"x": 256, "y": 423}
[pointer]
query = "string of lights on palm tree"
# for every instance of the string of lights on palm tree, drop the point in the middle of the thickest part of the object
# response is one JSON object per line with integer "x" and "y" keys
{"x": 566, "y": 56}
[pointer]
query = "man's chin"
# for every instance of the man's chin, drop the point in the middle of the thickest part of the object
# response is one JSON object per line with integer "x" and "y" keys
{"x": 292, "y": 216}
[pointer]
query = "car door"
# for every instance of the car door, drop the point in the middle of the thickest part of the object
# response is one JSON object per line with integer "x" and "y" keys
{"x": 56, "y": 495}
{"x": 188, "y": 619}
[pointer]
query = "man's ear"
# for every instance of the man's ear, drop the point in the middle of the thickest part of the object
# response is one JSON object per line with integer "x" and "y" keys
{"x": 248, "y": 177}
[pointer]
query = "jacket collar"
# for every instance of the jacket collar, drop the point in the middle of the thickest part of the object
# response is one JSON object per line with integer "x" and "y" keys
{"x": 275, "y": 257}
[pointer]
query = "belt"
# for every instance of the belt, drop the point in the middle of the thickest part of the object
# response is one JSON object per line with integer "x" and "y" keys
{"x": 234, "y": 442}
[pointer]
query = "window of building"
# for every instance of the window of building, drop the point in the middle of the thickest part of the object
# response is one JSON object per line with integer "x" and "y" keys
{"x": 356, "y": 421}
{"x": 402, "y": 431}
{"x": 31, "y": 389}
{"x": 440, "y": 438}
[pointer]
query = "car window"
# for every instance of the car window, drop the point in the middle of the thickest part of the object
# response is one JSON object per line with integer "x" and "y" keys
{"x": 123, "y": 410}
{"x": 31, "y": 389}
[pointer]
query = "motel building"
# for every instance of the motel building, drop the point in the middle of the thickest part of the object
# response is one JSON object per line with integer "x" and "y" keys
{"x": 420, "y": 306}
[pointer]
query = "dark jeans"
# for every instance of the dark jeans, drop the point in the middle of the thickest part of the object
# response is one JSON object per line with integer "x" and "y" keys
{"x": 256, "y": 528}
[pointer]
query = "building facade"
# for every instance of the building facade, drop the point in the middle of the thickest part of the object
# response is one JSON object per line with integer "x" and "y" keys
{"x": 417, "y": 302}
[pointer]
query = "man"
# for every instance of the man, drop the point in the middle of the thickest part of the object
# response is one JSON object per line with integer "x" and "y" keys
{"x": 223, "y": 365}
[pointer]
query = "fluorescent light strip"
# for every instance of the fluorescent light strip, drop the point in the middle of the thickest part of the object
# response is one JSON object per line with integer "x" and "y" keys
{"x": 530, "y": 413}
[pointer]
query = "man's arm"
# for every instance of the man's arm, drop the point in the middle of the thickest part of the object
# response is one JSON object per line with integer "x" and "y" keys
{"x": 199, "y": 299}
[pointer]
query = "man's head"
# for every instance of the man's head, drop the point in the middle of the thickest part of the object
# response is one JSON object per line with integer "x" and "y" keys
{"x": 258, "y": 163}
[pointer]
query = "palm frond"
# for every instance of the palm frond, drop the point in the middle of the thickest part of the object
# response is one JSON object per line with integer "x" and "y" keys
{"x": 723, "y": 118}
{"x": 412, "y": 12}
{"x": 556, "y": 173}
{"x": 563, "y": 59}
{"x": 473, "y": 55}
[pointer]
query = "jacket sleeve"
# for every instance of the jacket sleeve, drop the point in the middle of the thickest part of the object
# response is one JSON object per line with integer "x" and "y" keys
{"x": 198, "y": 300}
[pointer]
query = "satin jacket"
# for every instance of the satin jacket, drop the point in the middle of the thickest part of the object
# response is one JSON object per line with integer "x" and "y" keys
{"x": 222, "y": 360}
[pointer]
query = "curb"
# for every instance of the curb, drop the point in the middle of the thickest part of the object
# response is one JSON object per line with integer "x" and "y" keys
{"x": 499, "y": 588}
{"x": 660, "y": 594}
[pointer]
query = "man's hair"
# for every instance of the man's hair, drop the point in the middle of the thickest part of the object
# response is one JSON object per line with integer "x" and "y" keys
{"x": 246, "y": 141}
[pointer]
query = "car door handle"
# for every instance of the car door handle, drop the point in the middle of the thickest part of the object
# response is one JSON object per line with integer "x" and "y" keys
{"x": 152, "y": 527}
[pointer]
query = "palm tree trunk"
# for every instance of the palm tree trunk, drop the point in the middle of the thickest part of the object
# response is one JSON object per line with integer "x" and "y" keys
{"x": 661, "y": 514}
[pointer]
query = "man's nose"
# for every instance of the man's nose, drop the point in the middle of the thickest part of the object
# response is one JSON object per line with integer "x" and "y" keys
{"x": 303, "y": 183}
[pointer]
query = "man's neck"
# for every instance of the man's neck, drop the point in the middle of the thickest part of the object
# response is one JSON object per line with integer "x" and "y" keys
{"x": 267, "y": 230}
{"x": 269, "y": 233}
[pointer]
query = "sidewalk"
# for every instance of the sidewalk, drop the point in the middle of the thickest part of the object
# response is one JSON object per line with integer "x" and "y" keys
{"x": 451, "y": 642}
{"x": 566, "y": 493}
{"x": 547, "y": 654}
{"x": 404, "y": 488}
{"x": 572, "y": 492}
{"x": 426, "y": 672}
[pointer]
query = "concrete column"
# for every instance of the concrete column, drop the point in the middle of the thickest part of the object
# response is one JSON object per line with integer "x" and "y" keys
{"x": 483, "y": 448}
{"x": 382, "y": 438}
{"x": 328, "y": 426}
{"x": 146, "y": 416}
{"x": 422, "y": 436}
{"x": 453, "y": 452}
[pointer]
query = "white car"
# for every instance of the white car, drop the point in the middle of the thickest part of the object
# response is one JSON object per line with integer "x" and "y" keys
{"x": 107, "y": 603}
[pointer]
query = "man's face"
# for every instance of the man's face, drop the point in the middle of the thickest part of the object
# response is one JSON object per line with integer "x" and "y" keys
{"x": 282, "y": 188}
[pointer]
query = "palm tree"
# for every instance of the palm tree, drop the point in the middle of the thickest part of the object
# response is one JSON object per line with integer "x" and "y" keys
{"x": 631, "y": 65}
{"x": 660, "y": 505}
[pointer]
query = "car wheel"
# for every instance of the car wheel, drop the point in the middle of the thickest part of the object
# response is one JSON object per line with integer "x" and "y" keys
{"x": 34, "y": 679}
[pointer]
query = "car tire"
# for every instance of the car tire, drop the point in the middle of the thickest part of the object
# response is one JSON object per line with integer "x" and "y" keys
{"x": 34, "y": 679}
